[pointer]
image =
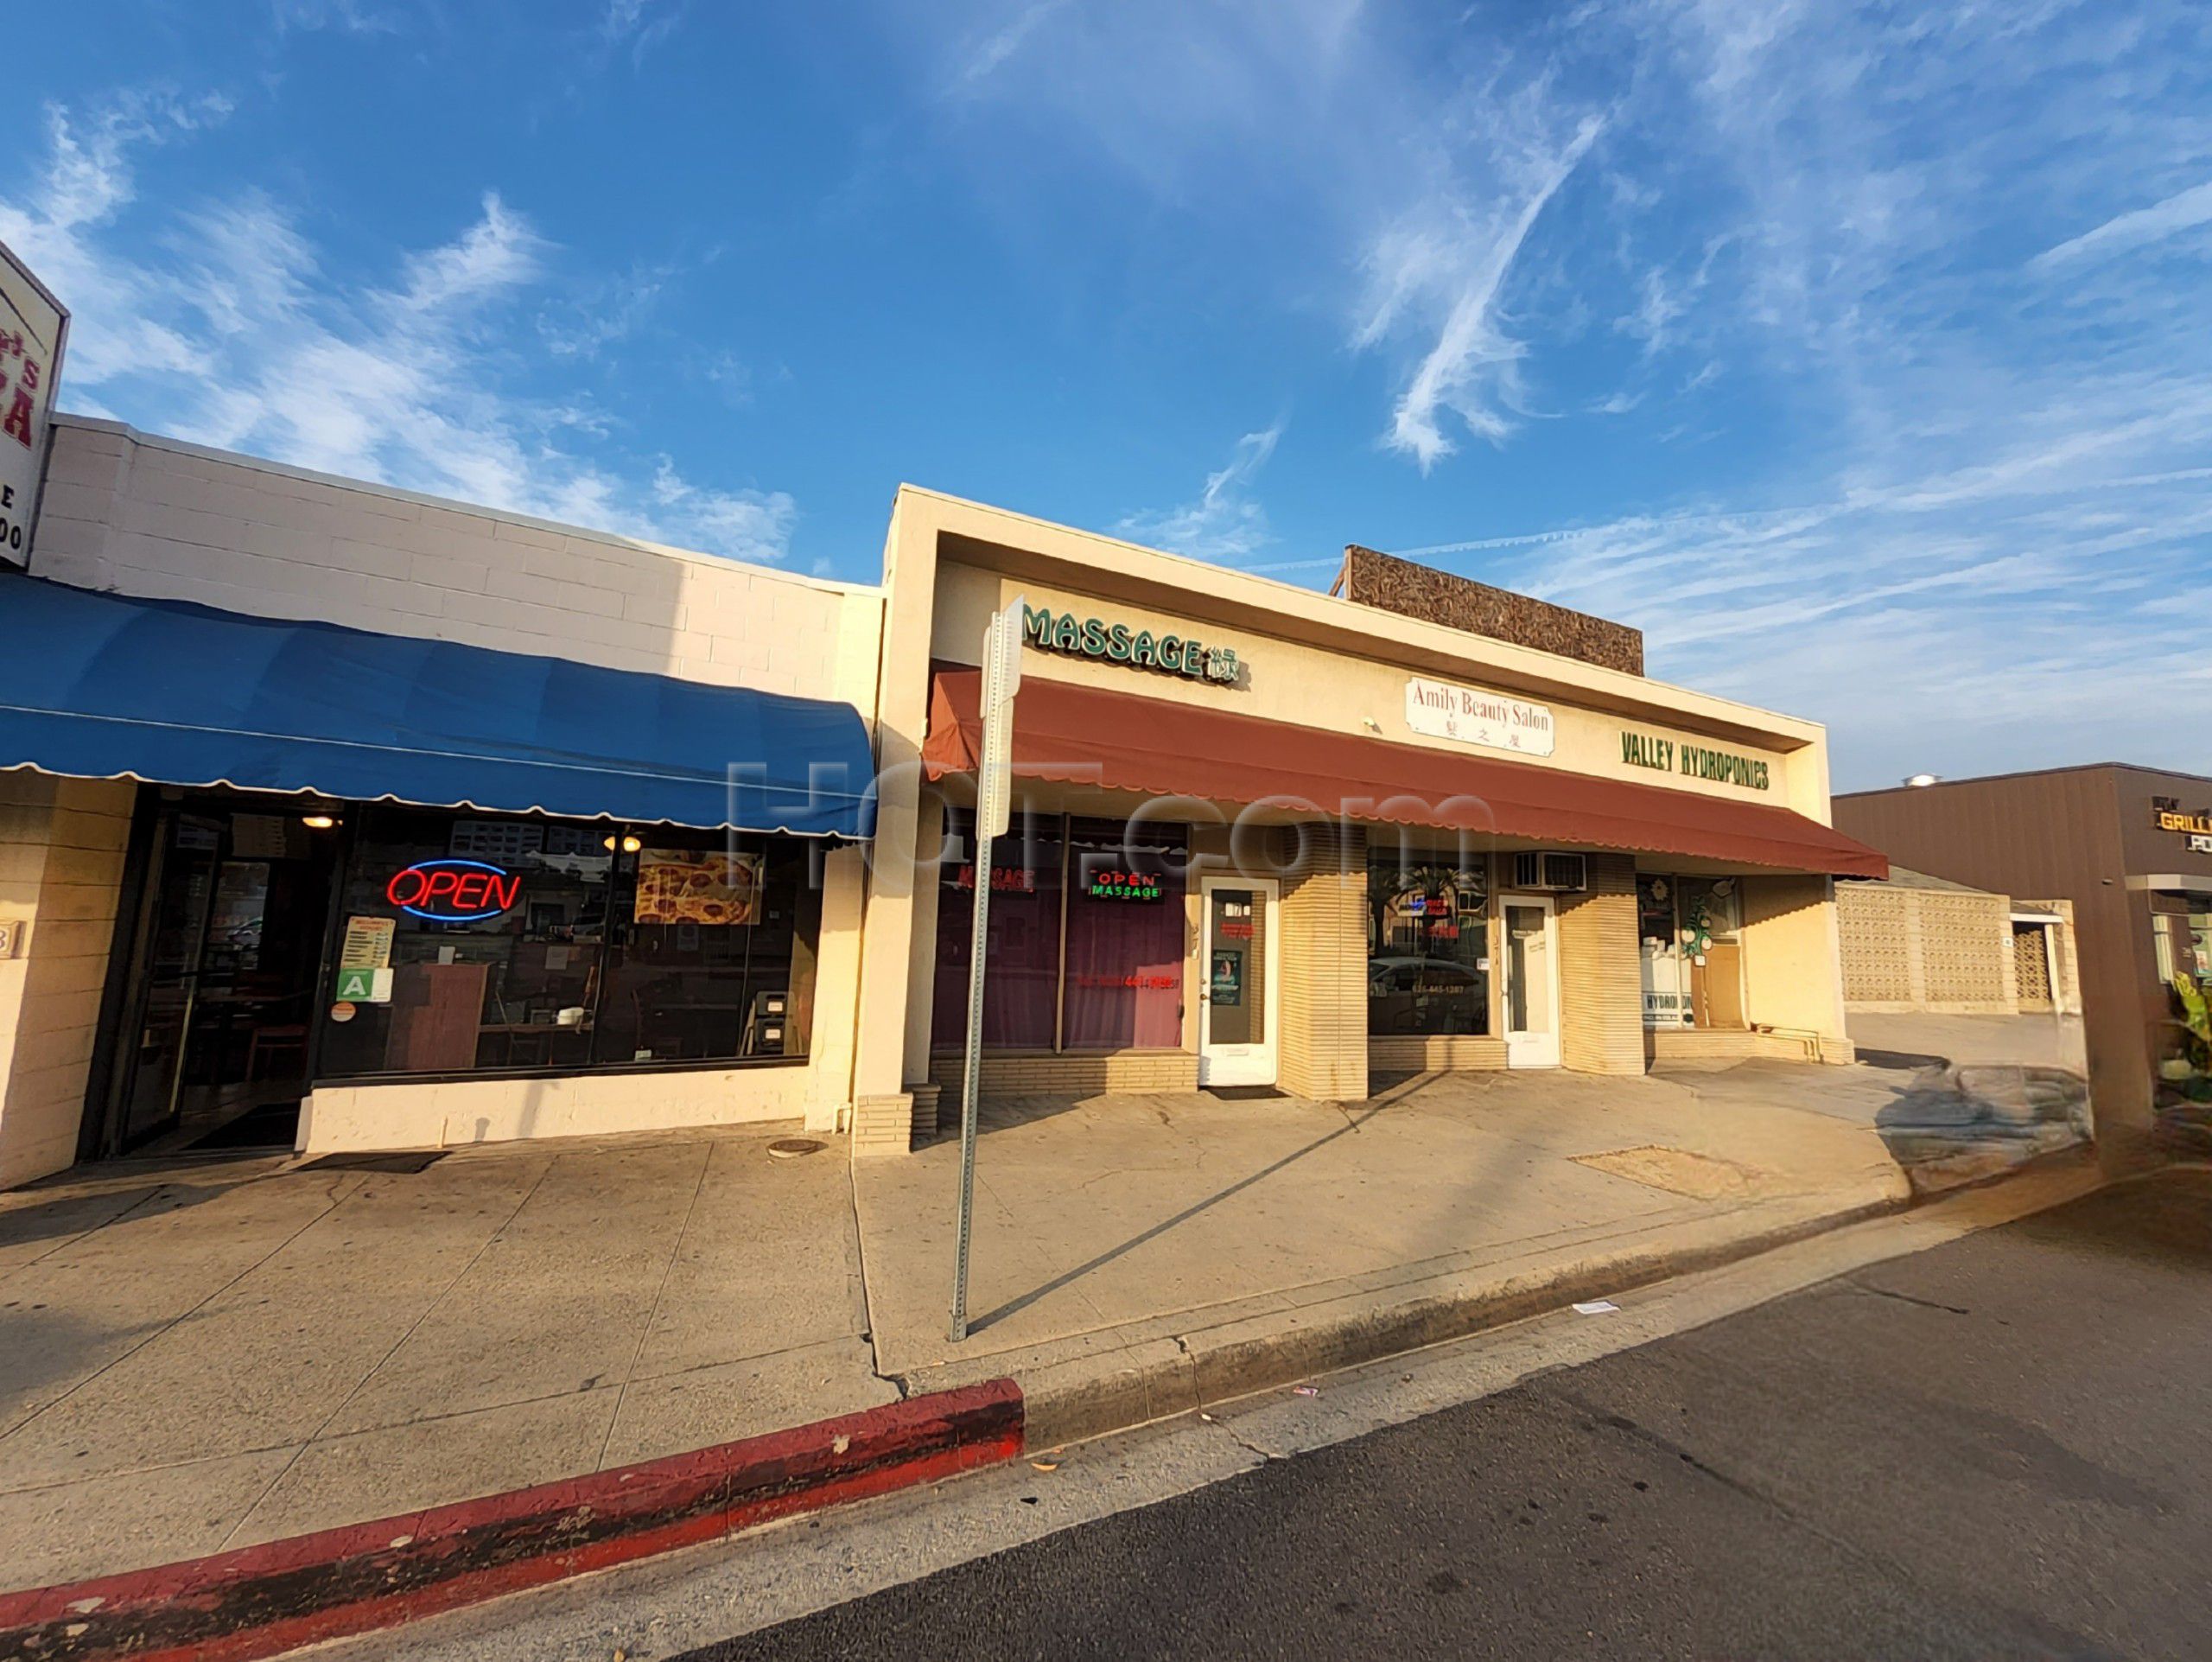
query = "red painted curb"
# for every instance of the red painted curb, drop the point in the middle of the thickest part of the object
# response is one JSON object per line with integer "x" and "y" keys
{"x": 258, "y": 1600}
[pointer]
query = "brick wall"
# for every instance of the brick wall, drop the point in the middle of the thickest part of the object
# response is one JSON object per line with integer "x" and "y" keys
{"x": 1322, "y": 1048}
{"x": 1073, "y": 1073}
{"x": 61, "y": 847}
{"x": 1601, "y": 990}
{"x": 139, "y": 515}
{"x": 1433, "y": 1053}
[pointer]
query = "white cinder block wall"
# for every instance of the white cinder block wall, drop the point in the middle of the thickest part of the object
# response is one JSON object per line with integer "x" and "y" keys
{"x": 139, "y": 515}
{"x": 135, "y": 514}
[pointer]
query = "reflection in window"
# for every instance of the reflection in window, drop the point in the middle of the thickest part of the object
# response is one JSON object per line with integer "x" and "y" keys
{"x": 1125, "y": 936}
{"x": 1427, "y": 952}
{"x": 1021, "y": 992}
{"x": 523, "y": 943}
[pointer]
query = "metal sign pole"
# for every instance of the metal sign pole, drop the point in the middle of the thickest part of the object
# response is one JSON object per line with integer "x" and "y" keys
{"x": 994, "y": 808}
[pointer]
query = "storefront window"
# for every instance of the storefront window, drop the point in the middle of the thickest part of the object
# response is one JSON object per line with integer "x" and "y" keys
{"x": 1121, "y": 985}
{"x": 1692, "y": 955}
{"x": 521, "y": 943}
{"x": 1427, "y": 944}
{"x": 1125, "y": 936}
{"x": 1021, "y": 992}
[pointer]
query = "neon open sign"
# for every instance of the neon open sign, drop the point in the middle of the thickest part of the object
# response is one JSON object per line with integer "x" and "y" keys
{"x": 454, "y": 891}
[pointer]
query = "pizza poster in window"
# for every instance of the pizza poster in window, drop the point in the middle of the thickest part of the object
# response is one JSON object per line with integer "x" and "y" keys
{"x": 688, "y": 886}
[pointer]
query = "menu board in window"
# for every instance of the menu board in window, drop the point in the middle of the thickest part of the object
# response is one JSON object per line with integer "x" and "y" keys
{"x": 688, "y": 886}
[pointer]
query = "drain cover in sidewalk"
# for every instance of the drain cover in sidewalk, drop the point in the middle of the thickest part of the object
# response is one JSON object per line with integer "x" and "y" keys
{"x": 793, "y": 1147}
{"x": 1677, "y": 1171}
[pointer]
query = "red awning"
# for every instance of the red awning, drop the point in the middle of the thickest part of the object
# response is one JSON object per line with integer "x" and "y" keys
{"x": 1120, "y": 740}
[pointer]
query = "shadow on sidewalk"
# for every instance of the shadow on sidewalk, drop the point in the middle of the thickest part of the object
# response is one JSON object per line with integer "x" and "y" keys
{"x": 1356, "y": 1115}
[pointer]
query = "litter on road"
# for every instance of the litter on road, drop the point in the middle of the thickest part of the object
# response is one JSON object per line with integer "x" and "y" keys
{"x": 1597, "y": 1307}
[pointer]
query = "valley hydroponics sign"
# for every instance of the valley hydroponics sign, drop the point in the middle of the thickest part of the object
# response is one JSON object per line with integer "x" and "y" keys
{"x": 1116, "y": 643}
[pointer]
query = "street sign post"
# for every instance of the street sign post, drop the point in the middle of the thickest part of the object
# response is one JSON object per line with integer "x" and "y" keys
{"x": 994, "y": 810}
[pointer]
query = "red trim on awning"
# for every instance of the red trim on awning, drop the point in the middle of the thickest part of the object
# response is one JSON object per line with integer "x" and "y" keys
{"x": 1123, "y": 741}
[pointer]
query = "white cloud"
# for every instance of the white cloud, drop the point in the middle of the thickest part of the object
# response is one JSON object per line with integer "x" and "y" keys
{"x": 1445, "y": 272}
{"x": 1002, "y": 42}
{"x": 2183, "y": 210}
{"x": 1224, "y": 522}
{"x": 226, "y": 328}
{"x": 639, "y": 25}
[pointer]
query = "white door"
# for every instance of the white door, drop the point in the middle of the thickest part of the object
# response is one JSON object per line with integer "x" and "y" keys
{"x": 1238, "y": 982}
{"x": 1531, "y": 941}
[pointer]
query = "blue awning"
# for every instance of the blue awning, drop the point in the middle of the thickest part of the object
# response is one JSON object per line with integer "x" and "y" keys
{"x": 108, "y": 687}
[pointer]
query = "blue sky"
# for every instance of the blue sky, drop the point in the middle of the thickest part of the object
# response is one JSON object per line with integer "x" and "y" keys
{"x": 1857, "y": 355}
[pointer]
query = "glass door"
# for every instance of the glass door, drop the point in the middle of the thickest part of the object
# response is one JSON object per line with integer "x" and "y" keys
{"x": 1237, "y": 983}
{"x": 187, "y": 855}
{"x": 1531, "y": 981}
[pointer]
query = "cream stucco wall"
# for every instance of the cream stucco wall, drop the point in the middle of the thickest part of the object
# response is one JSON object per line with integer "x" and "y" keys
{"x": 1311, "y": 660}
{"x": 61, "y": 850}
{"x": 1290, "y": 680}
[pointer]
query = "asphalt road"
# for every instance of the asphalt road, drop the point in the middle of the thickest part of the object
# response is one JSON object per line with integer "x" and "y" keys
{"x": 1999, "y": 1446}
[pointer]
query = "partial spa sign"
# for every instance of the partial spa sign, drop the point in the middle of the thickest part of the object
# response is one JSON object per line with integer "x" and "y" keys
{"x": 34, "y": 328}
{"x": 1473, "y": 716}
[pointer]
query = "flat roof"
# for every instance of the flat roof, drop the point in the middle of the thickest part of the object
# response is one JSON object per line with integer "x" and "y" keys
{"x": 2034, "y": 773}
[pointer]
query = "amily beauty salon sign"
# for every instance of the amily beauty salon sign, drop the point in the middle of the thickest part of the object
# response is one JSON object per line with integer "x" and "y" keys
{"x": 1473, "y": 716}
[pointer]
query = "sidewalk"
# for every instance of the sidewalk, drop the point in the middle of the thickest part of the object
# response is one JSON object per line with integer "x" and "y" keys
{"x": 210, "y": 1355}
{"x": 1137, "y": 1256}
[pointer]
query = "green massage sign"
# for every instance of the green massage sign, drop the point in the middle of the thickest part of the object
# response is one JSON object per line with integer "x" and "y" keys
{"x": 1116, "y": 643}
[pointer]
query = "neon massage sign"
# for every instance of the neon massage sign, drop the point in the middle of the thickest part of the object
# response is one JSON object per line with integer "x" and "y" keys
{"x": 454, "y": 891}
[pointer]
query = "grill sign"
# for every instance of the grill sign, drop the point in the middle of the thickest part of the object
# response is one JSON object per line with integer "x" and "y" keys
{"x": 454, "y": 891}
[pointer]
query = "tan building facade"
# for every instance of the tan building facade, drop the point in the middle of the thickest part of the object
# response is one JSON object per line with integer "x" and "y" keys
{"x": 1370, "y": 914}
{"x": 1266, "y": 840}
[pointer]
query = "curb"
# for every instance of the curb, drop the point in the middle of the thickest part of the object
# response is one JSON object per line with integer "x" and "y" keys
{"x": 257, "y": 1600}
{"x": 1072, "y": 1401}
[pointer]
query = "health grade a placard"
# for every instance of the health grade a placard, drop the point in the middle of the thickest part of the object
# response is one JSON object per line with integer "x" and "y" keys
{"x": 364, "y": 986}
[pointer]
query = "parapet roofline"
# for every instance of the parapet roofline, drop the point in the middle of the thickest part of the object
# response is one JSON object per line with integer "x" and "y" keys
{"x": 1022, "y": 545}
{"x": 452, "y": 504}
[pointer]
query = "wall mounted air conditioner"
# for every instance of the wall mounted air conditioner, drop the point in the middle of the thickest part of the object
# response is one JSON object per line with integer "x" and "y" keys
{"x": 1563, "y": 874}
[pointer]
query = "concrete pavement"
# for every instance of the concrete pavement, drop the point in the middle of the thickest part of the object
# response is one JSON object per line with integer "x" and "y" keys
{"x": 660, "y": 1608}
{"x": 213, "y": 1354}
{"x": 208, "y": 1356}
{"x": 1991, "y": 1449}
{"x": 1136, "y": 1257}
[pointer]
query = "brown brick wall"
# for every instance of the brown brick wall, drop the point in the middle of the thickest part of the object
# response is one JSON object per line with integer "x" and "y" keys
{"x": 1411, "y": 590}
{"x": 1601, "y": 990}
{"x": 1322, "y": 1048}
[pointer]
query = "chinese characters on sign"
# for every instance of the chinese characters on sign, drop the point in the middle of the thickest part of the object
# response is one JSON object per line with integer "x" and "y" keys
{"x": 1474, "y": 717}
{"x": 33, "y": 327}
{"x": 1116, "y": 643}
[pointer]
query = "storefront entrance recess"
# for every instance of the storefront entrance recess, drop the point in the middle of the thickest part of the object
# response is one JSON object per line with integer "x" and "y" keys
{"x": 1531, "y": 982}
{"x": 218, "y": 995}
{"x": 1236, "y": 993}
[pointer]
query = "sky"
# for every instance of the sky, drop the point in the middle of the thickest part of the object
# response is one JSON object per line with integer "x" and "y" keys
{"x": 1857, "y": 355}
